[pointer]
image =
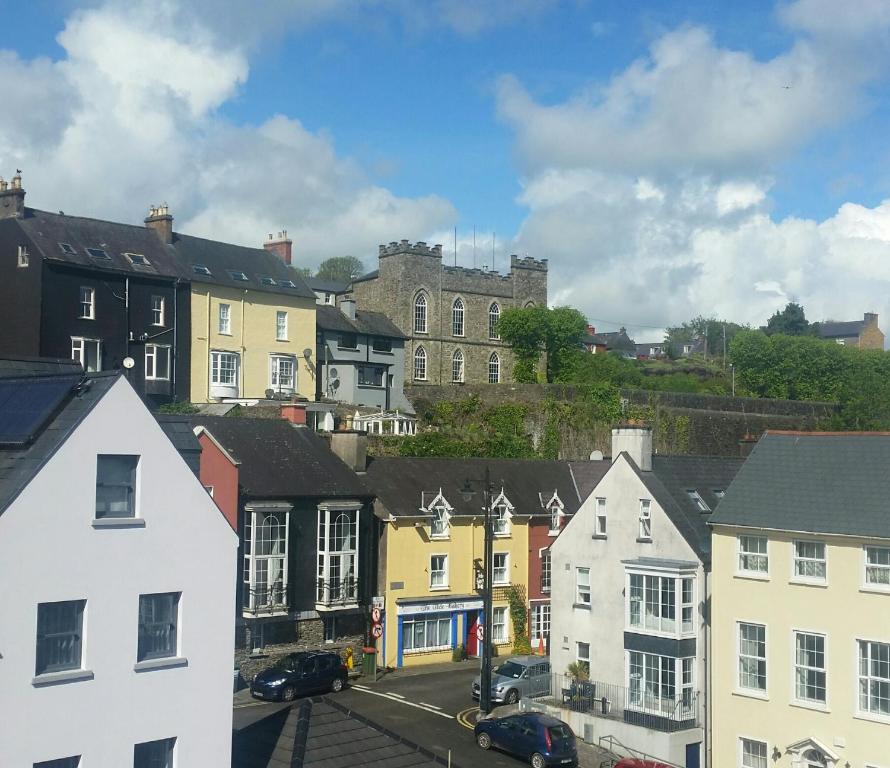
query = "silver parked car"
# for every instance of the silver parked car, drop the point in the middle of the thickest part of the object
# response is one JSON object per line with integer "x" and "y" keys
{"x": 518, "y": 676}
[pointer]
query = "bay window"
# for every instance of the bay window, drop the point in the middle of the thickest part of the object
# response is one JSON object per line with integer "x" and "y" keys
{"x": 224, "y": 374}
{"x": 653, "y": 685}
{"x": 337, "y": 571}
{"x": 652, "y": 602}
{"x": 266, "y": 532}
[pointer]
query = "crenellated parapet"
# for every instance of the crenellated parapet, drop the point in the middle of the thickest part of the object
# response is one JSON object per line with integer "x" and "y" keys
{"x": 527, "y": 262}
{"x": 419, "y": 248}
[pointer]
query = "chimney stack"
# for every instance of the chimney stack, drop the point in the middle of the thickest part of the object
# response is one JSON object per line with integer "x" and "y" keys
{"x": 160, "y": 220}
{"x": 351, "y": 446}
{"x": 347, "y": 307}
{"x": 281, "y": 246}
{"x": 12, "y": 198}
{"x": 746, "y": 445}
{"x": 636, "y": 441}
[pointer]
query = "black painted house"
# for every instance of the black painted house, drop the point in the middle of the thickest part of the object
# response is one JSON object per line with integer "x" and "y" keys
{"x": 95, "y": 291}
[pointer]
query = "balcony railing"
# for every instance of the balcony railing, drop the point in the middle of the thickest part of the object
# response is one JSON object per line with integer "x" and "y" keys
{"x": 632, "y": 704}
{"x": 265, "y": 600}
{"x": 336, "y": 593}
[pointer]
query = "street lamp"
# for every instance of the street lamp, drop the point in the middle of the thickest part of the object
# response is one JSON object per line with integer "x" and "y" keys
{"x": 485, "y": 672}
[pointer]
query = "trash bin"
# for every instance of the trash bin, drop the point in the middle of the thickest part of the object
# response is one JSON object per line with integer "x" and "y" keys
{"x": 606, "y": 705}
{"x": 369, "y": 661}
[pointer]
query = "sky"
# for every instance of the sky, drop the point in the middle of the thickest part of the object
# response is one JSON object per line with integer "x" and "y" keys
{"x": 669, "y": 159}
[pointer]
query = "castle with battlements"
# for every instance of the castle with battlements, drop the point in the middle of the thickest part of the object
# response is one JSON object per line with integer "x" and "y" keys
{"x": 449, "y": 314}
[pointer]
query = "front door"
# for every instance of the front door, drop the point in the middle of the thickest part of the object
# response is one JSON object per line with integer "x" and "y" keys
{"x": 693, "y": 752}
{"x": 473, "y": 625}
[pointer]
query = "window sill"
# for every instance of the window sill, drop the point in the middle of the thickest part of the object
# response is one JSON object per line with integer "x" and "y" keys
{"x": 86, "y": 318}
{"x": 63, "y": 676}
{"x": 502, "y": 535}
{"x": 809, "y": 583}
{"x": 431, "y": 649}
{"x": 601, "y": 536}
{"x": 581, "y": 606}
{"x": 440, "y": 537}
{"x": 381, "y": 352}
{"x": 168, "y": 662}
{"x": 875, "y": 589}
{"x": 346, "y": 349}
{"x": 370, "y": 386}
{"x": 156, "y": 378}
{"x": 753, "y": 694}
{"x": 500, "y": 583}
{"x": 815, "y": 706}
{"x": 444, "y": 588}
{"x": 752, "y": 575}
{"x": 553, "y": 533}
{"x": 872, "y": 718}
{"x": 119, "y": 522}
{"x": 224, "y": 333}
{"x": 644, "y": 539}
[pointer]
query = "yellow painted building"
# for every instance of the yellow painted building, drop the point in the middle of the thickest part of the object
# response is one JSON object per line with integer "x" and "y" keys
{"x": 800, "y": 650}
{"x": 252, "y": 323}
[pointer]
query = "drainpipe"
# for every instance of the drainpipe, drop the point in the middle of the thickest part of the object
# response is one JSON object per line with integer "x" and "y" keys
{"x": 707, "y": 690}
{"x": 175, "y": 333}
{"x": 243, "y": 349}
{"x": 207, "y": 377}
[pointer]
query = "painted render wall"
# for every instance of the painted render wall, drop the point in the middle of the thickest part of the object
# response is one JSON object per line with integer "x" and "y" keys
{"x": 603, "y": 624}
{"x": 185, "y": 546}
{"x": 218, "y": 472}
{"x": 253, "y": 331}
{"x": 841, "y": 609}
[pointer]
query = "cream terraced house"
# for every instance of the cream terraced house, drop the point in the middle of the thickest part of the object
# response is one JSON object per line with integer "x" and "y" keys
{"x": 801, "y": 605}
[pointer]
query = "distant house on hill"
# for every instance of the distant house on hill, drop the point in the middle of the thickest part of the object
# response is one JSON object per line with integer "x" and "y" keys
{"x": 620, "y": 343}
{"x": 863, "y": 334}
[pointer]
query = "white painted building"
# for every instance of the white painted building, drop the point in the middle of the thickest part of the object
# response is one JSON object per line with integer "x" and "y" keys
{"x": 629, "y": 587}
{"x": 117, "y": 573}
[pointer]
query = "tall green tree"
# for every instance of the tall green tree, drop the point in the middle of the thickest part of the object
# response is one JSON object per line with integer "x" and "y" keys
{"x": 342, "y": 268}
{"x": 791, "y": 321}
{"x": 711, "y": 329}
{"x": 533, "y": 331}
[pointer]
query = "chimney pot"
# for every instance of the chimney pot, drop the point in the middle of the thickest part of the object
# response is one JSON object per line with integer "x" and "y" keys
{"x": 636, "y": 441}
{"x": 160, "y": 220}
{"x": 282, "y": 247}
{"x": 12, "y": 198}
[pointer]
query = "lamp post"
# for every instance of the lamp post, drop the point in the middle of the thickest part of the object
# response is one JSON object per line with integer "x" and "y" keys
{"x": 485, "y": 672}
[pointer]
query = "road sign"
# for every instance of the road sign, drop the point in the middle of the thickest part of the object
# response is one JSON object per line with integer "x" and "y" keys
{"x": 375, "y": 615}
{"x": 379, "y": 602}
{"x": 377, "y": 631}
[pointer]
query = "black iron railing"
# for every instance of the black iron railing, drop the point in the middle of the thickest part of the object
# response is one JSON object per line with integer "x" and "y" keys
{"x": 331, "y": 593}
{"x": 267, "y": 599}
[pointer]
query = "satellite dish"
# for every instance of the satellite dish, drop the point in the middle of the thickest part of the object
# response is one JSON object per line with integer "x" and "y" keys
{"x": 335, "y": 384}
{"x": 129, "y": 362}
{"x": 333, "y": 373}
{"x": 307, "y": 353}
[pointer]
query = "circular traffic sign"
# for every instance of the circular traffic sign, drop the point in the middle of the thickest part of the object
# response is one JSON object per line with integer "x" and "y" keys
{"x": 377, "y": 630}
{"x": 375, "y": 615}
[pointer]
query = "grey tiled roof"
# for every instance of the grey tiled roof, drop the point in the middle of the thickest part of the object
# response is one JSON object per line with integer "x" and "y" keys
{"x": 401, "y": 482}
{"x": 669, "y": 482}
{"x": 11, "y": 368}
{"x": 587, "y": 474}
{"x": 279, "y": 460}
{"x": 822, "y": 483}
{"x": 332, "y": 286}
{"x": 368, "y": 276}
{"x": 322, "y": 733}
{"x": 841, "y": 330}
{"x": 373, "y": 323}
{"x": 19, "y": 465}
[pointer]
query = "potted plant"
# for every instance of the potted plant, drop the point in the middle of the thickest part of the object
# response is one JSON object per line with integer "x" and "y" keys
{"x": 581, "y": 691}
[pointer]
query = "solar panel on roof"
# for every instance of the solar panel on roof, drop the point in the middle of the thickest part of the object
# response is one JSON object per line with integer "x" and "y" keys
{"x": 26, "y": 405}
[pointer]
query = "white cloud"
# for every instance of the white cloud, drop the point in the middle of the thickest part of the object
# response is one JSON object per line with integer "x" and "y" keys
{"x": 130, "y": 117}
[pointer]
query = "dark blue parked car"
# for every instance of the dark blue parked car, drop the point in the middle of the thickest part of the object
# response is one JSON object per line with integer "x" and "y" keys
{"x": 542, "y": 739}
{"x": 300, "y": 673}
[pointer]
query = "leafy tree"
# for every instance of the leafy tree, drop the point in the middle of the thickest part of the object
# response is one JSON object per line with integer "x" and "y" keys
{"x": 303, "y": 272}
{"x": 791, "y": 321}
{"x": 342, "y": 268}
{"x": 711, "y": 329}
{"x": 533, "y": 331}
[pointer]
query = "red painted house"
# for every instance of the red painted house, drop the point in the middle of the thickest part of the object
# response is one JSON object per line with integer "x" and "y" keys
{"x": 219, "y": 475}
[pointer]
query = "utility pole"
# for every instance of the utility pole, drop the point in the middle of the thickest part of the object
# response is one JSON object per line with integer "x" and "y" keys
{"x": 485, "y": 677}
{"x": 724, "y": 347}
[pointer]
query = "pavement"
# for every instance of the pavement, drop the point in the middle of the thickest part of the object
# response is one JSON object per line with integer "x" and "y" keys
{"x": 431, "y": 705}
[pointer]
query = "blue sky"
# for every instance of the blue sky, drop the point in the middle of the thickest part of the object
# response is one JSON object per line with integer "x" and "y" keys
{"x": 644, "y": 148}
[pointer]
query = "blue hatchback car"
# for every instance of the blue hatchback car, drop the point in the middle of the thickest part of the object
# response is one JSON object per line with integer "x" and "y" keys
{"x": 541, "y": 739}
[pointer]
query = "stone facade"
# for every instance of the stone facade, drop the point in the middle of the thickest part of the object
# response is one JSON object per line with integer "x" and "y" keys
{"x": 407, "y": 271}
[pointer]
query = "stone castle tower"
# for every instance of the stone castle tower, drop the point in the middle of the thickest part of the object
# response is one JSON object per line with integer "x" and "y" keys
{"x": 448, "y": 314}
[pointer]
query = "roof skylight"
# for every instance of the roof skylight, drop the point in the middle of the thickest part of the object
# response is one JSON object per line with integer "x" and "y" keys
{"x": 138, "y": 260}
{"x": 236, "y": 275}
{"x": 68, "y": 248}
{"x": 200, "y": 269}
{"x": 98, "y": 253}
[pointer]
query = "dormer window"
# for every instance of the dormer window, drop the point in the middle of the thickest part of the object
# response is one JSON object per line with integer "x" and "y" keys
{"x": 236, "y": 275}
{"x": 698, "y": 500}
{"x": 555, "y": 515}
{"x": 557, "y": 511}
{"x": 137, "y": 260}
{"x": 501, "y": 513}
{"x": 68, "y": 249}
{"x": 440, "y": 510}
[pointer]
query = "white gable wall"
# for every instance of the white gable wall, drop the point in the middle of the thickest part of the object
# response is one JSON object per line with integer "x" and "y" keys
{"x": 49, "y": 551}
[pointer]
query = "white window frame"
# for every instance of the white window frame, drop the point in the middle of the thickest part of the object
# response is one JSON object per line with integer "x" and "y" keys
{"x": 24, "y": 256}
{"x": 79, "y": 352}
{"x": 876, "y": 568}
{"x": 420, "y": 364}
{"x": 343, "y": 561}
{"x": 494, "y": 368}
{"x": 662, "y": 590}
{"x": 803, "y": 561}
{"x": 556, "y": 515}
{"x": 504, "y": 569}
{"x": 600, "y": 518}
{"x": 741, "y": 752}
{"x": 868, "y": 678}
{"x": 151, "y": 361}
{"x": 804, "y": 702}
{"x": 426, "y": 619}
{"x": 539, "y": 622}
{"x": 277, "y": 589}
{"x": 158, "y": 310}
{"x": 546, "y": 557}
{"x": 660, "y": 687}
{"x": 215, "y": 379}
{"x": 457, "y": 367}
{"x": 747, "y": 556}
{"x": 757, "y": 692}
{"x": 87, "y": 303}
{"x": 583, "y": 593}
{"x": 696, "y": 498}
{"x": 457, "y": 317}
{"x": 502, "y": 517}
{"x": 582, "y": 654}
{"x": 440, "y": 525}
{"x": 275, "y": 373}
{"x": 225, "y": 319}
{"x": 494, "y": 316}
{"x": 421, "y": 313}
{"x": 499, "y": 618}
{"x": 645, "y": 532}
{"x": 440, "y": 573}
{"x": 281, "y": 325}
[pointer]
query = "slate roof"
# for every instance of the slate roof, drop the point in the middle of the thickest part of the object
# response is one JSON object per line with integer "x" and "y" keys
{"x": 221, "y": 258}
{"x": 644, "y": 348}
{"x": 401, "y": 482}
{"x": 587, "y": 474}
{"x": 279, "y": 460}
{"x": 370, "y": 323}
{"x": 841, "y": 330}
{"x": 618, "y": 340}
{"x": 47, "y": 230}
{"x": 331, "y": 286}
{"x": 815, "y": 482}
{"x": 670, "y": 479}
{"x": 179, "y": 431}
{"x": 367, "y": 276}
{"x": 19, "y": 465}
{"x": 321, "y": 733}
{"x": 32, "y": 366}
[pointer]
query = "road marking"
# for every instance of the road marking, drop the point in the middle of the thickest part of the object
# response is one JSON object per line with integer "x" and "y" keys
{"x": 360, "y": 687}
{"x": 398, "y": 696}
{"x": 431, "y": 706}
{"x": 401, "y": 700}
{"x": 462, "y": 717}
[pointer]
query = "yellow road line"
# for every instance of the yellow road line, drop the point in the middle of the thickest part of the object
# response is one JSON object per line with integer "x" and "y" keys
{"x": 463, "y": 717}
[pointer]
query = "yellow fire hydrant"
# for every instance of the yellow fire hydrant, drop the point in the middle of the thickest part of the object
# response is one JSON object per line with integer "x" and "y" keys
{"x": 349, "y": 657}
